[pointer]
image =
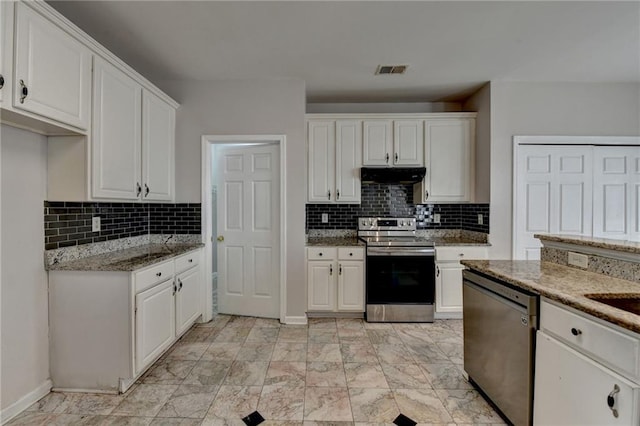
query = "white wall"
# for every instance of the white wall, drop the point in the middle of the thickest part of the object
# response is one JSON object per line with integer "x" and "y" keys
{"x": 247, "y": 107}
{"x": 565, "y": 109}
{"x": 25, "y": 344}
{"x": 481, "y": 103}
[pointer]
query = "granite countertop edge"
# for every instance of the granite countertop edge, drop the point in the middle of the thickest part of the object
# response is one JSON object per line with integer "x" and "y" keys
{"x": 127, "y": 260}
{"x": 354, "y": 241}
{"x": 563, "y": 284}
{"x": 603, "y": 243}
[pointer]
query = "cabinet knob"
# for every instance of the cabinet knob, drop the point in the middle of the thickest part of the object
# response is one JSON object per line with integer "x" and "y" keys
{"x": 437, "y": 271}
{"x": 146, "y": 190}
{"x": 179, "y": 284}
{"x": 138, "y": 189}
{"x": 396, "y": 157}
{"x": 426, "y": 194}
{"x": 576, "y": 331}
{"x": 320, "y": 254}
{"x": 190, "y": 260}
{"x": 330, "y": 269}
{"x": 337, "y": 194}
{"x": 387, "y": 157}
{"x": 350, "y": 254}
{"x": 611, "y": 400}
{"x": 158, "y": 274}
{"x": 340, "y": 270}
{"x": 328, "y": 194}
{"x": 1, "y": 81}
{"x": 24, "y": 91}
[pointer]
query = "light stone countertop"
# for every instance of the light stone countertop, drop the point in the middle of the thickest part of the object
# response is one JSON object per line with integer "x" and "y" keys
{"x": 565, "y": 285}
{"x": 334, "y": 242}
{"x": 128, "y": 259}
{"x": 457, "y": 241}
{"x": 603, "y": 243}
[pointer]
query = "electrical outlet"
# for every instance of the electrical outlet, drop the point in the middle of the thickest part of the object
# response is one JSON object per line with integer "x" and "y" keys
{"x": 480, "y": 219}
{"x": 436, "y": 218}
{"x": 579, "y": 260}
{"x": 95, "y": 224}
{"x": 325, "y": 217}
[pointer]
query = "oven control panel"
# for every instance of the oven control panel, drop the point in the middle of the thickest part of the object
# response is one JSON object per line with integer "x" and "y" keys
{"x": 387, "y": 224}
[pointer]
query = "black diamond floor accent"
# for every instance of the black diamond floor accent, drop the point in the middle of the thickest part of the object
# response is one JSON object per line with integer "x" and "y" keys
{"x": 403, "y": 420}
{"x": 254, "y": 419}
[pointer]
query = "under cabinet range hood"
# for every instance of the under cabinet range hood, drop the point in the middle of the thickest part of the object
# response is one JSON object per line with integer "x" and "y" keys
{"x": 392, "y": 174}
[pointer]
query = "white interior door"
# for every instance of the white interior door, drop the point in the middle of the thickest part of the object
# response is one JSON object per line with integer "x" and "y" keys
{"x": 553, "y": 194}
{"x": 248, "y": 220}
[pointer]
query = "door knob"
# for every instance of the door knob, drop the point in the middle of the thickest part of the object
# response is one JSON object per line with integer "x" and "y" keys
{"x": 220, "y": 238}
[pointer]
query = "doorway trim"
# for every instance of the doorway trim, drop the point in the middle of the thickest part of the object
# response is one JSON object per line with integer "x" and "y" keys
{"x": 207, "y": 219}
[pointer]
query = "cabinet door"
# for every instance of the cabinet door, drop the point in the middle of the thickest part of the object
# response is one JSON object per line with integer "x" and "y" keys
{"x": 322, "y": 145}
{"x": 348, "y": 161}
{"x": 158, "y": 136}
{"x": 448, "y": 154}
{"x": 116, "y": 133}
{"x": 52, "y": 69}
{"x": 377, "y": 143}
{"x": 572, "y": 389}
{"x": 616, "y": 185}
{"x": 188, "y": 297}
{"x": 449, "y": 288}
{"x": 350, "y": 286}
{"x": 321, "y": 285}
{"x": 5, "y": 50}
{"x": 408, "y": 143}
{"x": 155, "y": 323}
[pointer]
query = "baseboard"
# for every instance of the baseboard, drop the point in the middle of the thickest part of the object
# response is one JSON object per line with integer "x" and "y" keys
{"x": 447, "y": 315}
{"x": 291, "y": 320}
{"x": 25, "y": 402}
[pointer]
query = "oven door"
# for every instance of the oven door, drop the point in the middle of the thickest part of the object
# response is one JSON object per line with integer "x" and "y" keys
{"x": 400, "y": 275}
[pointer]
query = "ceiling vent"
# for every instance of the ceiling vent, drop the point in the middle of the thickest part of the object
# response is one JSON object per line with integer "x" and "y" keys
{"x": 391, "y": 69}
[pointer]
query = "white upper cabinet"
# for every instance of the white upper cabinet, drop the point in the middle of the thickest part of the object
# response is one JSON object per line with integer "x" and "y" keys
{"x": 158, "y": 134}
{"x": 378, "y": 143}
{"x": 408, "y": 143}
{"x": 4, "y": 51}
{"x": 52, "y": 75}
{"x": 393, "y": 143}
{"x": 116, "y": 141}
{"x": 449, "y": 159}
{"x": 335, "y": 158}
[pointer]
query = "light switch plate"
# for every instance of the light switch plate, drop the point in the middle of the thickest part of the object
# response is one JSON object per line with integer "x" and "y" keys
{"x": 579, "y": 260}
{"x": 436, "y": 218}
{"x": 325, "y": 217}
{"x": 95, "y": 224}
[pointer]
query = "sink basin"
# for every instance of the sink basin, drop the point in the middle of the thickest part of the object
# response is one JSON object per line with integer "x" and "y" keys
{"x": 629, "y": 302}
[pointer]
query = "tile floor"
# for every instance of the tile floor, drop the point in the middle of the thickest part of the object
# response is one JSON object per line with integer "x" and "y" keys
{"x": 332, "y": 371}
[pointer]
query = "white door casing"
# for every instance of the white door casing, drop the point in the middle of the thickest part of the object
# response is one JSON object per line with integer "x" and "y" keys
{"x": 248, "y": 221}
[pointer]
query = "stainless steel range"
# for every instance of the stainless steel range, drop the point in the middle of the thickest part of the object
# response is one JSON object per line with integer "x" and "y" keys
{"x": 400, "y": 270}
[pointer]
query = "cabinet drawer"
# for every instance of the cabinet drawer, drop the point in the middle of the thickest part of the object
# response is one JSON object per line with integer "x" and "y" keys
{"x": 453, "y": 253}
{"x": 187, "y": 261}
{"x": 155, "y": 274}
{"x": 350, "y": 253}
{"x": 614, "y": 348}
{"x": 321, "y": 253}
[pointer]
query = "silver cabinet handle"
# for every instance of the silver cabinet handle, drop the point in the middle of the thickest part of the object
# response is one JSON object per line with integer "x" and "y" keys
{"x": 387, "y": 158}
{"x": 179, "y": 284}
{"x": 146, "y": 190}
{"x": 330, "y": 269}
{"x": 426, "y": 194}
{"x": 396, "y": 157}
{"x": 138, "y": 189}
{"x": 611, "y": 400}
{"x": 174, "y": 289}
{"x": 158, "y": 274}
{"x": 24, "y": 91}
{"x": 337, "y": 194}
{"x": 328, "y": 194}
{"x": 576, "y": 331}
{"x": 340, "y": 270}
{"x": 1, "y": 81}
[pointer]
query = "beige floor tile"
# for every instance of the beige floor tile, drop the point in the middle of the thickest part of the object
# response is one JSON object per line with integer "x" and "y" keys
{"x": 53, "y": 402}
{"x": 468, "y": 406}
{"x": 286, "y": 373}
{"x": 445, "y": 376}
{"x": 321, "y": 335}
{"x": 208, "y": 373}
{"x": 188, "y": 351}
{"x": 189, "y": 401}
{"x": 247, "y": 373}
{"x": 427, "y": 353}
{"x": 324, "y": 352}
{"x": 198, "y": 334}
{"x": 169, "y": 372}
{"x": 322, "y": 323}
{"x": 350, "y": 323}
{"x": 221, "y": 351}
{"x": 263, "y": 335}
{"x": 266, "y": 323}
{"x": 91, "y": 403}
{"x": 360, "y": 375}
{"x": 394, "y": 354}
{"x": 421, "y": 405}
{"x": 146, "y": 400}
{"x": 384, "y": 337}
{"x": 126, "y": 421}
{"x": 408, "y": 376}
{"x": 325, "y": 374}
{"x": 358, "y": 352}
{"x": 293, "y": 334}
{"x": 232, "y": 334}
{"x": 327, "y": 404}
{"x": 373, "y": 405}
{"x": 244, "y": 322}
{"x": 234, "y": 402}
{"x": 453, "y": 351}
{"x": 286, "y": 351}
{"x": 282, "y": 403}
{"x": 255, "y": 352}
{"x": 159, "y": 421}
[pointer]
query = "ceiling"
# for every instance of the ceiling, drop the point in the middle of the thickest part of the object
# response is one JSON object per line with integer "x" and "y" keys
{"x": 452, "y": 47}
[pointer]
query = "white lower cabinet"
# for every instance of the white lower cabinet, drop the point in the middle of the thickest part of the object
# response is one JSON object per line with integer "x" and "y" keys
{"x": 108, "y": 327}
{"x": 155, "y": 322}
{"x": 335, "y": 279}
{"x": 448, "y": 297}
{"x": 586, "y": 370}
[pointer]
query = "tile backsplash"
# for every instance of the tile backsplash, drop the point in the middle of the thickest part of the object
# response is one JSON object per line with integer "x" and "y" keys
{"x": 69, "y": 223}
{"x": 383, "y": 200}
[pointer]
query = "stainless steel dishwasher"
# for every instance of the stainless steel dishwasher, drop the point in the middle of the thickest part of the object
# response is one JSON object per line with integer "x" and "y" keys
{"x": 500, "y": 323}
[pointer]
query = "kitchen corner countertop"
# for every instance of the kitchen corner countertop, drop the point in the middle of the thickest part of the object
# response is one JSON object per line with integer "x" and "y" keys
{"x": 128, "y": 259}
{"x": 603, "y": 243}
{"x": 334, "y": 241}
{"x": 564, "y": 284}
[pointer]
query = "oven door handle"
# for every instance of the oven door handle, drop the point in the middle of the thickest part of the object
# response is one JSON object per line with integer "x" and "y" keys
{"x": 400, "y": 251}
